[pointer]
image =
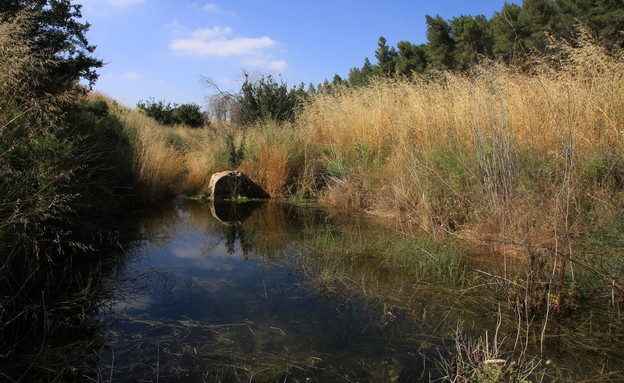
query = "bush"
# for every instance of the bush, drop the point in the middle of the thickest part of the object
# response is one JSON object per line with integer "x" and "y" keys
{"x": 235, "y": 156}
{"x": 266, "y": 100}
{"x": 165, "y": 113}
{"x": 161, "y": 111}
{"x": 190, "y": 115}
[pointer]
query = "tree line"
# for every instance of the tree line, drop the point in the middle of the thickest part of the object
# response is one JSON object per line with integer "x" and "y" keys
{"x": 511, "y": 36}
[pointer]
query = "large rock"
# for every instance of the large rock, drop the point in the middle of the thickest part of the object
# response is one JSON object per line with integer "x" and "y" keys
{"x": 233, "y": 184}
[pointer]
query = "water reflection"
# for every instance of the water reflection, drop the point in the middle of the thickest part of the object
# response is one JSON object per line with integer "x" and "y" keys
{"x": 233, "y": 213}
{"x": 271, "y": 292}
{"x": 227, "y": 299}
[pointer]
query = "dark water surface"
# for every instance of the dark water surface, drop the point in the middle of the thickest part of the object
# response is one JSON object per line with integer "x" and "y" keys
{"x": 235, "y": 293}
{"x": 222, "y": 294}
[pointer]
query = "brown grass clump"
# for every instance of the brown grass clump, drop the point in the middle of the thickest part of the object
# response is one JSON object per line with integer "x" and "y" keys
{"x": 274, "y": 157}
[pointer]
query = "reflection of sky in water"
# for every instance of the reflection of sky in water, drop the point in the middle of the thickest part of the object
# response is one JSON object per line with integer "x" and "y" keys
{"x": 217, "y": 260}
{"x": 196, "y": 277}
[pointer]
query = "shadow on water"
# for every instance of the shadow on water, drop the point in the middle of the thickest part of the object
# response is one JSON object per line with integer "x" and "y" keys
{"x": 49, "y": 329}
{"x": 272, "y": 292}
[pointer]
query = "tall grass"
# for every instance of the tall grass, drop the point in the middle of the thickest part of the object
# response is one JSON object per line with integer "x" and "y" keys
{"x": 477, "y": 136}
{"x": 521, "y": 160}
{"x": 168, "y": 160}
{"x": 171, "y": 160}
{"x": 275, "y": 157}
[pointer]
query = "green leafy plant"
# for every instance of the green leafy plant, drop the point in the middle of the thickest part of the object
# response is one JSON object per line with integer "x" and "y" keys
{"x": 190, "y": 115}
{"x": 234, "y": 155}
{"x": 267, "y": 100}
{"x": 161, "y": 111}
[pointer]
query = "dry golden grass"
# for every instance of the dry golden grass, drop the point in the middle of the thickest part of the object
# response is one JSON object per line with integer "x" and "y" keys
{"x": 168, "y": 160}
{"x": 497, "y": 153}
{"x": 486, "y": 120}
{"x": 272, "y": 155}
{"x": 527, "y": 162}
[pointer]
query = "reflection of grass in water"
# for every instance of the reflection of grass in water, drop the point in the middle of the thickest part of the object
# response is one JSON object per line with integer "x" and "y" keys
{"x": 363, "y": 347}
{"x": 386, "y": 255}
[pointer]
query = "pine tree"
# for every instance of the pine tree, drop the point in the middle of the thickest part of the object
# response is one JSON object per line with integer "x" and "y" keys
{"x": 440, "y": 44}
{"x": 386, "y": 58}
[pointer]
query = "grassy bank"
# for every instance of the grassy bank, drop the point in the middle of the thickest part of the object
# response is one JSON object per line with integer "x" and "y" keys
{"x": 528, "y": 163}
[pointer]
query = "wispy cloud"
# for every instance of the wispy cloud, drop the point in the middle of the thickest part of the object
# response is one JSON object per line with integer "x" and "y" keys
{"x": 130, "y": 76}
{"x": 216, "y": 8}
{"x": 212, "y": 8}
{"x": 221, "y": 42}
{"x": 217, "y": 259}
{"x": 124, "y": 3}
{"x": 260, "y": 62}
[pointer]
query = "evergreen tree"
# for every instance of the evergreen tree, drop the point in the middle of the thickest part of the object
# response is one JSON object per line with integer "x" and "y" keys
{"x": 510, "y": 36}
{"x": 411, "y": 58}
{"x": 506, "y": 34}
{"x": 535, "y": 20}
{"x": 337, "y": 80}
{"x": 472, "y": 37}
{"x": 360, "y": 77}
{"x": 605, "y": 18}
{"x": 440, "y": 44}
{"x": 386, "y": 58}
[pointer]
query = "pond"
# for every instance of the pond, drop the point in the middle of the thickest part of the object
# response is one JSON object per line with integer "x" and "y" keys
{"x": 273, "y": 292}
{"x": 226, "y": 294}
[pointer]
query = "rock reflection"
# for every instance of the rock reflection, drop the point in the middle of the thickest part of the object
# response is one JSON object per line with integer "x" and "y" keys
{"x": 233, "y": 213}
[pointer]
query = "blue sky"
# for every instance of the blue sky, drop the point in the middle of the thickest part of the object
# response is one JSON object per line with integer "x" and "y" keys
{"x": 161, "y": 48}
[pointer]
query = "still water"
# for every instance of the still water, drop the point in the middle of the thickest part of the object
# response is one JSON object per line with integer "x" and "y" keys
{"x": 271, "y": 292}
{"x": 225, "y": 294}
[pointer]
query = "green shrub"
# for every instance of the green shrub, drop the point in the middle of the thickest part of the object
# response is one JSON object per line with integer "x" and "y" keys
{"x": 161, "y": 111}
{"x": 190, "y": 115}
{"x": 98, "y": 107}
{"x": 167, "y": 114}
{"x": 266, "y": 100}
{"x": 235, "y": 155}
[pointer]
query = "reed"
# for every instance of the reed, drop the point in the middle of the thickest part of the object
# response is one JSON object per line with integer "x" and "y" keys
{"x": 479, "y": 128}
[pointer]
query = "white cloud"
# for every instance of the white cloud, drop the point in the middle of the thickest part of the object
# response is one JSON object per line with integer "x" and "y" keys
{"x": 217, "y": 259}
{"x": 222, "y": 42}
{"x": 215, "y": 42}
{"x": 212, "y": 8}
{"x": 260, "y": 62}
{"x": 215, "y": 8}
{"x": 124, "y": 3}
{"x": 211, "y": 33}
{"x": 130, "y": 76}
